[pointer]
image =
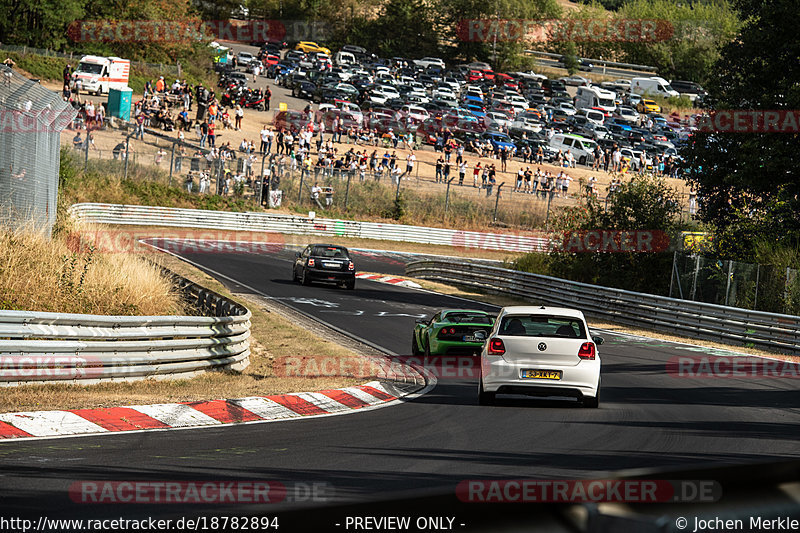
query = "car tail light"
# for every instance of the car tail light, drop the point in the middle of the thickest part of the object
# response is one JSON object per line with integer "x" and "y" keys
{"x": 351, "y": 266}
{"x": 587, "y": 351}
{"x": 496, "y": 347}
{"x": 311, "y": 262}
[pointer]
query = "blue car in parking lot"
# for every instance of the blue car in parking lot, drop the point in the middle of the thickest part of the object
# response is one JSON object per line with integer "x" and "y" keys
{"x": 498, "y": 140}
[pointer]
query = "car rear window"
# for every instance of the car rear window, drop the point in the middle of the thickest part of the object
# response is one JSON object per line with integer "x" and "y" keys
{"x": 468, "y": 318}
{"x": 542, "y": 326}
{"x": 329, "y": 251}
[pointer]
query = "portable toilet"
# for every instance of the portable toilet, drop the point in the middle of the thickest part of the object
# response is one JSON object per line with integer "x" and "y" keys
{"x": 119, "y": 103}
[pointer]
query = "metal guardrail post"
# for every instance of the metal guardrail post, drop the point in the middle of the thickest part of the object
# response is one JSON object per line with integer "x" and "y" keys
{"x": 497, "y": 201}
{"x": 447, "y": 196}
{"x": 171, "y": 163}
{"x": 347, "y": 189}
{"x": 127, "y": 154}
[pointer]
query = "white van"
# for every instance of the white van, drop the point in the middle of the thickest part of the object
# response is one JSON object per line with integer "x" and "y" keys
{"x": 593, "y": 115}
{"x": 99, "y": 74}
{"x": 595, "y": 97}
{"x": 344, "y": 58}
{"x": 582, "y": 149}
{"x": 653, "y": 85}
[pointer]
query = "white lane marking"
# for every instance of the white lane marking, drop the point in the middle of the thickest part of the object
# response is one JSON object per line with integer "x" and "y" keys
{"x": 264, "y": 407}
{"x": 362, "y": 395}
{"x": 323, "y": 402}
{"x": 176, "y": 415}
{"x": 49, "y": 423}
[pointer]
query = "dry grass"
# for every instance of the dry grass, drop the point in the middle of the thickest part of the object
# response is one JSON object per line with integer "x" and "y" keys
{"x": 273, "y": 338}
{"x": 59, "y": 275}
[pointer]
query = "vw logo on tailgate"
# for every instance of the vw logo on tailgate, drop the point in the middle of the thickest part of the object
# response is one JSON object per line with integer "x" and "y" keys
{"x": 542, "y": 346}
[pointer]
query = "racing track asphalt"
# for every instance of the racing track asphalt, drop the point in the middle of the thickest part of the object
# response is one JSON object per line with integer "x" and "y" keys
{"x": 647, "y": 419}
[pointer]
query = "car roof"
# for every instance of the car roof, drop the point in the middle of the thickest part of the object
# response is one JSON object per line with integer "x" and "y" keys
{"x": 540, "y": 310}
{"x": 315, "y": 244}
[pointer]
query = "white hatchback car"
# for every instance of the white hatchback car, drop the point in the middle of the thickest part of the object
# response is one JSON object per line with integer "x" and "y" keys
{"x": 540, "y": 351}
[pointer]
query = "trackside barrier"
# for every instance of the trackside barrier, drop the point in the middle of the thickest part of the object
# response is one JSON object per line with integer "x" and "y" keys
{"x": 699, "y": 320}
{"x": 298, "y": 225}
{"x": 43, "y": 347}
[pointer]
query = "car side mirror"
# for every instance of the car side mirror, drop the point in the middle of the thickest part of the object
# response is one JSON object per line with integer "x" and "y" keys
{"x": 598, "y": 340}
{"x": 297, "y": 255}
{"x": 420, "y": 321}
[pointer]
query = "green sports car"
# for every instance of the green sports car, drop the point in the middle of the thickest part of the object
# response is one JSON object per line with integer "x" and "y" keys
{"x": 452, "y": 332}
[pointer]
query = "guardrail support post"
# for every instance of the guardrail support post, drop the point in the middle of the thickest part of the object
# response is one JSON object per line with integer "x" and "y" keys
{"x": 397, "y": 193}
{"x": 86, "y": 152}
{"x": 300, "y": 189}
{"x": 171, "y": 163}
{"x": 758, "y": 276}
{"x": 728, "y": 281}
{"x": 447, "y": 196}
{"x": 547, "y": 216}
{"x": 127, "y": 154}
{"x": 694, "y": 280}
{"x": 347, "y": 189}
{"x": 497, "y": 200}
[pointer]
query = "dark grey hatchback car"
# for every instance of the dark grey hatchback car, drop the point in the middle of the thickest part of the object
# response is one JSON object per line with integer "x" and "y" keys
{"x": 327, "y": 263}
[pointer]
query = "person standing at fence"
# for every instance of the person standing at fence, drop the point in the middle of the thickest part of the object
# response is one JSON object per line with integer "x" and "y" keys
{"x": 203, "y": 133}
{"x": 212, "y": 137}
{"x": 462, "y": 170}
{"x": 439, "y": 164}
{"x": 492, "y": 181}
{"x": 410, "y": 159}
{"x": 475, "y": 172}
{"x": 139, "y": 126}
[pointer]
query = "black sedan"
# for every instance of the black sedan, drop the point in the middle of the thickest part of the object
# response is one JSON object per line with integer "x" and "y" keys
{"x": 325, "y": 262}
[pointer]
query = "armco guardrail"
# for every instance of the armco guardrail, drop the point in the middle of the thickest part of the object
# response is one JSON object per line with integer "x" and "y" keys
{"x": 693, "y": 319}
{"x": 626, "y": 66}
{"x": 57, "y": 347}
{"x": 298, "y": 225}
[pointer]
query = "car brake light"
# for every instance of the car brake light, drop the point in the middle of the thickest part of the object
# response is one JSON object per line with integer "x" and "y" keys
{"x": 587, "y": 351}
{"x": 351, "y": 266}
{"x": 496, "y": 347}
{"x": 311, "y": 262}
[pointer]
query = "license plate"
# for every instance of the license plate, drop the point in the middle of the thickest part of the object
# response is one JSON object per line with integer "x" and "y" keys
{"x": 471, "y": 338}
{"x": 541, "y": 374}
{"x": 328, "y": 264}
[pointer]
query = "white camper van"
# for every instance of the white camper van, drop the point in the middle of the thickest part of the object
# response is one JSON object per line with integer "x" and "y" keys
{"x": 99, "y": 74}
{"x": 588, "y": 97}
{"x": 654, "y": 86}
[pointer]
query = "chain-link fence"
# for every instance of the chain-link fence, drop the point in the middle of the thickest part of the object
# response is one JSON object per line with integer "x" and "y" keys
{"x": 750, "y": 286}
{"x": 31, "y": 120}
{"x": 165, "y": 68}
